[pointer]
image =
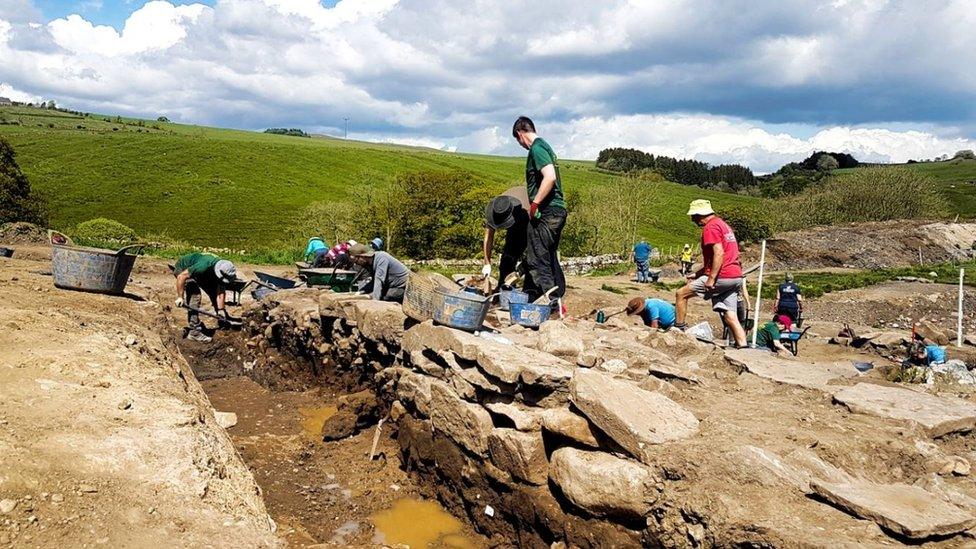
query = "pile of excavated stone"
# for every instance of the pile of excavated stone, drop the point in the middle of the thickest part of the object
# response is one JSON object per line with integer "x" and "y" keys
{"x": 596, "y": 435}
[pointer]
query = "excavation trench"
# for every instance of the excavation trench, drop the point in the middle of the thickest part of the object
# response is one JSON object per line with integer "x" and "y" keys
{"x": 317, "y": 491}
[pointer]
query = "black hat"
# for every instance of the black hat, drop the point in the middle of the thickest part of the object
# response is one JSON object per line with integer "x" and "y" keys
{"x": 500, "y": 212}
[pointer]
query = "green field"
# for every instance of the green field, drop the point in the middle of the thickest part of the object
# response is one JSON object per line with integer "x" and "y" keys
{"x": 955, "y": 178}
{"x": 239, "y": 189}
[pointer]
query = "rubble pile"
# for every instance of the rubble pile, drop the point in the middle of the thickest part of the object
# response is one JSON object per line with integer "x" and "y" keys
{"x": 606, "y": 435}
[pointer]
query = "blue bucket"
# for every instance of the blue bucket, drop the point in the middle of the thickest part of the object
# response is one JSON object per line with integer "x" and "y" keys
{"x": 530, "y": 315}
{"x": 505, "y": 297}
{"x": 461, "y": 310}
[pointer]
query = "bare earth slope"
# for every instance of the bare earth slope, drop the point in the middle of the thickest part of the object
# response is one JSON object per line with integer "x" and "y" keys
{"x": 105, "y": 436}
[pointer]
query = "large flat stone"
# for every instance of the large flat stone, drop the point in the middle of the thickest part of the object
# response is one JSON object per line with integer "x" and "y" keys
{"x": 790, "y": 372}
{"x": 440, "y": 338}
{"x": 905, "y": 510}
{"x": 511, "y": 364}
{"x": 380, "y": 320}
{"x": 634, "y": 418}
{"x": 524, "y": 419}
{"x": 522, "y": 455}
{"x": 467, "y": 424}
{"x": 563, "y": 421}
{"x": 937, "y": 415}
{"x": 556, "y": 338}
{"x": 603, "y": 485}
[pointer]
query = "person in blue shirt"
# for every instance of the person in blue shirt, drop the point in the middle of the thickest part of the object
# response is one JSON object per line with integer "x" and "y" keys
{"x": 789, "y": 299}
{"x": 931, "y": 354}
{"x": 316, "y": 247}
{"x": 655, "y": 313}
{"x": 642, "y": 257}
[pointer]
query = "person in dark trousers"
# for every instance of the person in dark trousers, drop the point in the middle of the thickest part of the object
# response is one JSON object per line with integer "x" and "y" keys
{"x": 642, "y": 259}
{"x": 507, "y": 212}
{"x": 389, "y": 275}
{"x": 198, "y": 273}
{"x": 789, "y": 299}
{"x": 547, "y": 212}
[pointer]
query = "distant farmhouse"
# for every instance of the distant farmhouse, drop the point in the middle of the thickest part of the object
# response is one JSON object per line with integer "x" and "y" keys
{"x": 5, "y": 102}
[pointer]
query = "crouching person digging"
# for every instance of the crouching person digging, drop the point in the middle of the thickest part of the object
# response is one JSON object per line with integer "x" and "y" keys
{"x": 389, "y": 275}
{"x": 199, "y": 273}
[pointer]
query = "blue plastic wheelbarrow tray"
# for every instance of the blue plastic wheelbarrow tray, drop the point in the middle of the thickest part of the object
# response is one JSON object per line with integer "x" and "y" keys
{"x": 91, "y": 269}
{"x": 507, "y": 297}
{"x": 530, "y": 315}
{"x": 461, "y": 310}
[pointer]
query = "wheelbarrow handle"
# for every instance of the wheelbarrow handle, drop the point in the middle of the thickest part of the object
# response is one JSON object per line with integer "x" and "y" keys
{"x": 121, "y": 251}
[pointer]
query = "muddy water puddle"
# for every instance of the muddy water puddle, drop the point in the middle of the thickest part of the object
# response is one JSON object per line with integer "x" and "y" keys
{"x": 328, "y": 492}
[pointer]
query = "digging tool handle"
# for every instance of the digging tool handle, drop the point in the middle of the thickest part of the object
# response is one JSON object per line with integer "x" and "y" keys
{"x": 544, "y": 298}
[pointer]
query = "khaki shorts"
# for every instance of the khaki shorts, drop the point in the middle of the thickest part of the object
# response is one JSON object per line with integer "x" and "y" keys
{"x": 725, "y": 296}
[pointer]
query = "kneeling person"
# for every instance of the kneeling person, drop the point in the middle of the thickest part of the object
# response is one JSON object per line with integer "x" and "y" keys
{"x": 198, "y": 273}
{"x": 389, "y": 275}
{"x": 768, "y": 335}
{"x": 655, "y": 313}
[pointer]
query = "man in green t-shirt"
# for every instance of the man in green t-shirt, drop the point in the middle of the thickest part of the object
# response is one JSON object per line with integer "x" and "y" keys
{"x": 547, "y": 211}
{"x": 207, "y": 273}
{"x": 768, "y": 335}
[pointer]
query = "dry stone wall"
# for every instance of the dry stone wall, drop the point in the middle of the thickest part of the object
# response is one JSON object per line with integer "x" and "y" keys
{"x": 600, "y": 436}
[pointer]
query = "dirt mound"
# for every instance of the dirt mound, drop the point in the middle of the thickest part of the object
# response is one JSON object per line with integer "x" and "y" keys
{"x": 869, "y": 245}
{"x": 22, "y": 233}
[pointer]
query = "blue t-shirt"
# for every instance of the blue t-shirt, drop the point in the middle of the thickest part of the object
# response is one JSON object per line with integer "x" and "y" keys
{"x": 660, "y": 310}
{"x": 314, "y": 245}
{"x": 642, "y": 251}
{"x": 788, "y": 292}
{"x": 934, "y": 355}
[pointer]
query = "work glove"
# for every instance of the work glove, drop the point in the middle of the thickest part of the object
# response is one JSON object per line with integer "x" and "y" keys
{"x": 179, "y": 302}
{"x": 486, "y": 270}
{"x": 533, "y": 210}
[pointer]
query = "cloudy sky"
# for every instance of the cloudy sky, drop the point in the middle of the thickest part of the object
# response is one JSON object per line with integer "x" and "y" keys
{"x": 760, "y": 82}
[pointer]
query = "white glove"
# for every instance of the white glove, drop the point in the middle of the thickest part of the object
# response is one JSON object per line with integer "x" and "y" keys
{"x": 486, "y": 270}
{"x": 179, "y": 302}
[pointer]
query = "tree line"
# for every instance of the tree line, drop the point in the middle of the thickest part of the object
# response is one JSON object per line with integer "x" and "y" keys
{"x": 724, "y": 177}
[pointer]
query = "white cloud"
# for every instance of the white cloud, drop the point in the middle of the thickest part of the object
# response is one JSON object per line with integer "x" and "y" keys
{"x": 854, "y": 74}
{"x": 16, "y": 95}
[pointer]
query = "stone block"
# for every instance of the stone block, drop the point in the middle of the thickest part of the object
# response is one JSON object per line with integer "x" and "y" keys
{"x": 938, "y": 416}
{"x": 520, "y": 454}
{"x": 603, "y": 485}
{"x": 465, "y": 423}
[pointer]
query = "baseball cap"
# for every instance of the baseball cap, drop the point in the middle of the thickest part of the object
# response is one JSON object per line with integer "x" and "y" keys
{"x": 225, "y": 270}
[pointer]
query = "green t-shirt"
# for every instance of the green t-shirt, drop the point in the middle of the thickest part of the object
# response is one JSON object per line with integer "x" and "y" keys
{"x": 201, "y": 267}
{"x": 767, "y": 334}
{"x": 540, "y": 156}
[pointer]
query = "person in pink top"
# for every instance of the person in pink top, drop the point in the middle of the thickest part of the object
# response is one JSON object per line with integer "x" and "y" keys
{"x": 720, "y": 277}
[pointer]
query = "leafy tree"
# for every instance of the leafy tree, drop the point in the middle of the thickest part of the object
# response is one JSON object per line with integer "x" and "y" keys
{"x": 827, "y": 163}
{"x": 162, "y": 119}
{"x": 966, "y": 154}
{"x": 750, "y": 224}
{"x": 17, "y": 201}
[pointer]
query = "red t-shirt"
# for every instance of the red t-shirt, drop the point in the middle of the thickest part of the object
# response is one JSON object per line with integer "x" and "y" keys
{"x": 717, "y": 231}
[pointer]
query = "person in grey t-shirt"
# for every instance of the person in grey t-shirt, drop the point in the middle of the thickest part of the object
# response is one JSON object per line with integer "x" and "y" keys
{"x": 389, "y": 275}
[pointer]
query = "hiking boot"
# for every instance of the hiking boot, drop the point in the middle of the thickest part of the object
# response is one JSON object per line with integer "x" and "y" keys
{"x": 197, "y": 335}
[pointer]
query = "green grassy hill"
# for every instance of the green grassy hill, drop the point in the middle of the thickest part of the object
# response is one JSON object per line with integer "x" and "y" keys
{"x": 955, "y": 178}
{"x": 239, "y": 189}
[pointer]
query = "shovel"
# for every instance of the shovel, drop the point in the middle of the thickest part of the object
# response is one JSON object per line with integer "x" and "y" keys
{"x": 544, "y": 298}
{"x": 229, "y": 322}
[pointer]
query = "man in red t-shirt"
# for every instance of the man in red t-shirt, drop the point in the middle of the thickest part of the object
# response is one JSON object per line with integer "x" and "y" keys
{"x": 720, "y": 277}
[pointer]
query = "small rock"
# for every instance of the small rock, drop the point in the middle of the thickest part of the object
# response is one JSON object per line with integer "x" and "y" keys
{"x": 57, "y": 498}
{"x": 226, "y": 419}
{"x": 125, "y": 404}
{"x": 131, "y": 340}
{"x": 31, "y": 519}
{"x": 613, "y": 366}
{"x": 87, "y": 489}
{"x": 7, "y": 505}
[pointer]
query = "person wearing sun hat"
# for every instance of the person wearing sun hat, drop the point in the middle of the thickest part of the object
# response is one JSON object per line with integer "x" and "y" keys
{"x": 656, "y": 313}
{"x": 389, "y": 275}
{"x": 198, "y": 273}
{"x": 720, "y": 277}
{"x": 507, "y": 212}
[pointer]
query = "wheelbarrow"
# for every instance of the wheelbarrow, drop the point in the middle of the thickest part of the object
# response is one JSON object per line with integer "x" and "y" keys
{"x": 338, "y": 280}
{"x": 90, "y": 269}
